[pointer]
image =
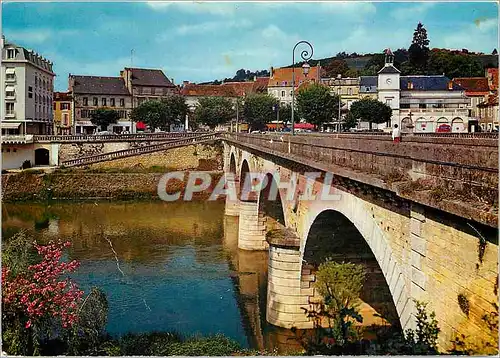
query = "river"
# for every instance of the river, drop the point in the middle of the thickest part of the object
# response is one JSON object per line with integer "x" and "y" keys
{"x": 163, "y": 266}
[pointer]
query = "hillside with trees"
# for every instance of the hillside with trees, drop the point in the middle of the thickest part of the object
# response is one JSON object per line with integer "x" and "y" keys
{"x": 418, "y": 59}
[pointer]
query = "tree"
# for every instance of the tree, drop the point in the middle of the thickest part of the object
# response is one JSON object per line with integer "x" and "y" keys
{"x": 103, "y": 117}
{"x": 336, "y": 67}
{"x": 213, "y": 111}
{"x": 371, "y": 110}
{"x": 350, "y": 121}
{"x": 374, "y": 65}
{"x": 285, "y": 113}
{"x": 339, "y": 285}
{"x": 454, "y": 64}
{"x": 38, "y": 299}
{"x": 258, "y": 110}
{"x": 316, "y": 105}
{"x": 152, "y": 113}
{"x": 161, "y": 114}
{"x": 419, "y": 49}
{"x": 176, "y": 108}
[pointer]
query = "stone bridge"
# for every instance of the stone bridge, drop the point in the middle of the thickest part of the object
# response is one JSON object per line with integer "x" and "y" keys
{"x": 421, "y": 216}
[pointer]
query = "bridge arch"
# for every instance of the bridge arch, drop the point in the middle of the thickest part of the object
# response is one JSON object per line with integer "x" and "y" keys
{"x": 271, "y": 204}
{"x": 333, "y": 236}
{"x": 352, "y": 212}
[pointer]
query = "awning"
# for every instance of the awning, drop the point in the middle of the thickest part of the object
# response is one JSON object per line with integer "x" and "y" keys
{"x": 140, "y": 126}
{"x": 7, "y": 125}
{"x": 304, "y": 126}
{"x": 10, "y": 71}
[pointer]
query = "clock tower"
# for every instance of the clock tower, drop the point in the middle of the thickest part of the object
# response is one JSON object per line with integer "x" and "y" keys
{"x": 389, "y": 87}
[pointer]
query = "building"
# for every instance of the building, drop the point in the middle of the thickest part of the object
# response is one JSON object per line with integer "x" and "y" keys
{"x": 147, "y": 84}
{"x": 488, "y": 114}
{"x": 476, "y": 88}
{"x": 93, "y": 92}
{"x": 63, "y": 113}
{"x": 280, "y": 81}
{"x": 421, "y": 104}
{"x": 27, "y": 89}
{"x": 347, "y": 88}
{"x": 433, "y": 104}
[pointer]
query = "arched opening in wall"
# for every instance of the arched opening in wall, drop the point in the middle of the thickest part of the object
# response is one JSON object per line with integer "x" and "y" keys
{"x": 406, "y": 125}
{"x": 443, "y": 126}
{"x": 424, "y": 125}
{"x": 271, "y": 206}
{"x": 333, "y": 236}
{"x": 244, "y": 186}
{"x": 232, "y": 165}
{"x": 458, "y": 125}
{"x": 41, "y": 156}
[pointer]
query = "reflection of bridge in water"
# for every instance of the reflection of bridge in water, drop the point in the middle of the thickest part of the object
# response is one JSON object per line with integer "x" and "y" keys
{"x": 250, "y": 279}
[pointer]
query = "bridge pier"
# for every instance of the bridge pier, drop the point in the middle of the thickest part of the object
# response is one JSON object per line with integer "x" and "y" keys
{"x": 252, "y": 228}
{"x": 289, "y": 288}
{"x": 232, "y": 207}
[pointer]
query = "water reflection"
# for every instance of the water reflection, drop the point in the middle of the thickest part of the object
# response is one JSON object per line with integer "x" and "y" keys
{"x": 179, "y": 267}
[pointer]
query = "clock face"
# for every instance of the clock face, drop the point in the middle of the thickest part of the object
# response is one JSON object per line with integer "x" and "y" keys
{"x": 388, "y": 81}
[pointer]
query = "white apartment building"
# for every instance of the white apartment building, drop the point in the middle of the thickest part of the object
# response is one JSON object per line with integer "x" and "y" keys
{"x": 27, "y": 82}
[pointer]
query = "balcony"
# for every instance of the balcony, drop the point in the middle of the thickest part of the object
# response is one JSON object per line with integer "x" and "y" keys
{"x": 17, "y": 138}
{"x": 436, "y": 111}
{"x": 10, "y": 114}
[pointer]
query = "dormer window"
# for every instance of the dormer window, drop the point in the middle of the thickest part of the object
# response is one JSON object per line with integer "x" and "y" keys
{"x": 410, "y": 85}
{"x": 11, "y": 53}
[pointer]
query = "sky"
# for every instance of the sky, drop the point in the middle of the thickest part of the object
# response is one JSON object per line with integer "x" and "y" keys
{"x": 204, "y": 41}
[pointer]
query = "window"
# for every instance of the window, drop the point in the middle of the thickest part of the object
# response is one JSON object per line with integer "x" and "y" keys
{"x": 30, "y": 89}
{"x": 65, "y": 119}
{"x": 30, "y": 94}
{"x": 85, "y": 113}
{"x": 103, "y": 101}
{"x": 112, "y": 102}
{"x": 290, "y": 93}
{"x": 404, "y": 105}
{"x": 9, "y": 92}
{"x": 349, "y": 91}
{"x": 388, "y": 101}
{"x": 11, "y": 53}
{"x": 96, "y": 101}
{"x": 55, "y": 105}
{"x": 14, "y": 150}
{"x": 65, "y": 106}
{"x": 36, "y": 81}
{"x": 282, "y": 93}
{"x": 85, "y": 101}
{"x": 9, "y": 106}
{"x": 9, "y": 75}
{"x": 44, "y": 86}
{"x": 122, "y": 102}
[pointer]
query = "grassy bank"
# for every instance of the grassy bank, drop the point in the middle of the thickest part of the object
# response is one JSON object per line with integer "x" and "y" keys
{"x": 108, "y": 184}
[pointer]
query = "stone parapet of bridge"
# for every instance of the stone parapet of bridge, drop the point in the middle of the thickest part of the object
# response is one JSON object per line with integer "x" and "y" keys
{"x": 458, "y": 175}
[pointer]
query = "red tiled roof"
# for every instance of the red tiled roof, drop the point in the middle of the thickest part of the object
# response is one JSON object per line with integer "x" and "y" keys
{"x": 260, "y": 84}
{"x": 283, "y": 76}
{"x": 474, "y": 86}
{"x": 192, "y": 89}
{"x": 493, "y": 72}
{"x": 62, "y": 96}
{"x": 240, "y": 88}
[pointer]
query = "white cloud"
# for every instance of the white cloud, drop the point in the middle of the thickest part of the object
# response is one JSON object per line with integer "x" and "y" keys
{"x": 29, "y": 36}
{"x": 215, "y": 8}
{"x": 413, "y": 11}
{"x": 348, "y": 10}
{"x": 212, "y": 26}
{"x": 486, "y": 24}
{"x": 473, "y": 36}
{"x": 36, "y": 36}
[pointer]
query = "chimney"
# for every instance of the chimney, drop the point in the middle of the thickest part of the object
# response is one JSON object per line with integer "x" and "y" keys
{"x": 184, "y": 83}
{"x": 450, "y": 85}
{"x": 254, "y": 78}
{"x": 271, "y": 71}
{"x": 172, "y": 80}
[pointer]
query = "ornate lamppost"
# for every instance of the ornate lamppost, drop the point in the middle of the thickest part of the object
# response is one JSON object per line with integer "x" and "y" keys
{"x": 305, "y": 55}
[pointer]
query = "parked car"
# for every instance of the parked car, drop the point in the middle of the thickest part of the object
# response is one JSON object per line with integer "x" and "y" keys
{"x": 444, "y": 128}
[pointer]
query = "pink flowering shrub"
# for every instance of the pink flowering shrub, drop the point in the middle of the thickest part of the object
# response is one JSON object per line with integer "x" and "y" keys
{"x": 41, "y": 295}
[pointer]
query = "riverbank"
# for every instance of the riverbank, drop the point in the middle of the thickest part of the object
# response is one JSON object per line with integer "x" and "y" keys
{"x": 94, "y": 184}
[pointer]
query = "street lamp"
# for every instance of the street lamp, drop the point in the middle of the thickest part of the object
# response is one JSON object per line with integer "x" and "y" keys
{"x": 305, "y": 55}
